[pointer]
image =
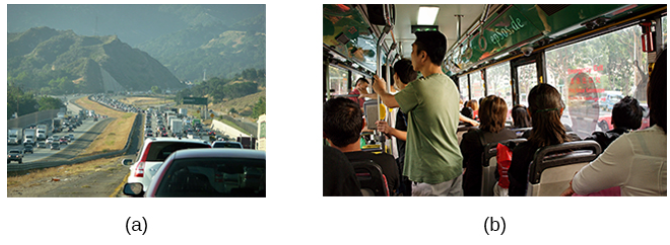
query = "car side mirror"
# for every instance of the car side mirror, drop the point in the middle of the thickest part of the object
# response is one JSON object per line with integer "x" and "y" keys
{"x": 133, "y": 189}
{"x": 127, "y": 162}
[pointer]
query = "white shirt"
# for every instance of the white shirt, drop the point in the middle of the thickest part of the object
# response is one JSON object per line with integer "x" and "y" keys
{"x": 636, "y": 161}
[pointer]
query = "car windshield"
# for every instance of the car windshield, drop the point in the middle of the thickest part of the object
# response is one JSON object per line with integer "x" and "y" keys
{"x": 214, "y": 177}
{"x": 227, "y": 145}
{"x": 159, "y": 151}
{"x": 14, "y": 152}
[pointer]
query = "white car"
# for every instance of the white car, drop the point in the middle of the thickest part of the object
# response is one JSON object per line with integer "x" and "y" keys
{"x": 153, "y": 153}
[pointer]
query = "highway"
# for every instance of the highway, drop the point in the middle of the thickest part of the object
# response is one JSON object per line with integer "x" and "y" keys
{"x": 83, "y": 135}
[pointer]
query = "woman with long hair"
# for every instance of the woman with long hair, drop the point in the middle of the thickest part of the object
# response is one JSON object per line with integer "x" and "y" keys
{"x": 545, "y": 107}
{"x": 520, "y": 117}
{"x": 493, "y": 113}
{"x": 637, "y": 161}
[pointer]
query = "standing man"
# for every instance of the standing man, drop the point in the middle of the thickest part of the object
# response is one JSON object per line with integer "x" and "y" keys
{"x": 361, "y": 88}
{"x": 433, "y": 159}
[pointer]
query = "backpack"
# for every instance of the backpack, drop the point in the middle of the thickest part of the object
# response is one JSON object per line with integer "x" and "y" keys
{"x": 504, "y": 158}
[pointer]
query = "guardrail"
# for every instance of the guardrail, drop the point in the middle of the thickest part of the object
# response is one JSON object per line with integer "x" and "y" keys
{"x": 38, "y": 165}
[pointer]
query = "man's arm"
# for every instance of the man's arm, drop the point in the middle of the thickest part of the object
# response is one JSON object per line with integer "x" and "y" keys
{"x": 379, "y": 85}
{"x": 467, "y": 120}
{"x": 387, "y": 129}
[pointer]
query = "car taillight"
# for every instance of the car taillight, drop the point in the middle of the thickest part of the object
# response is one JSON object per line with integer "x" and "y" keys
{"x": 139, "y": 170}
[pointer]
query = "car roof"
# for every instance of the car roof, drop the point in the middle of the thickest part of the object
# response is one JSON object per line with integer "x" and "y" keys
{"x": 219, "y": 152}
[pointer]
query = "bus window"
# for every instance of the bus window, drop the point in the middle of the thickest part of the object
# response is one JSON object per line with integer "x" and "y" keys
{"x": 527, "y": 75}
{"x": 498, "y": 80}
{"x": 338, "y": 81}
{"x": 594, "y": 73}
{"x": 477, "y": 87}
{"x": 664, "y": 24}
{"x": 463, "y": 86}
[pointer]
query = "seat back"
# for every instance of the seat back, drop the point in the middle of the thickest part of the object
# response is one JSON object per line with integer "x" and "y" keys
{"x": 553, "y": 167}
{"x": 372, "y": 179}
{"x": 490, "y": 165}
{"x": 520, "y": 131}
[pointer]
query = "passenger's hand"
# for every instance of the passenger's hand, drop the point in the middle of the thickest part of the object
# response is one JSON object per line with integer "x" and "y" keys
{"x": 474, "y": 123}
{"x": 379, "y": 84}
{"x": 568, "y": 192}
{"x": 383, "y": 127}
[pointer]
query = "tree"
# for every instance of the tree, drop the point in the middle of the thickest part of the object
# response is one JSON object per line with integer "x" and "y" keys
{"x": 232, "y": 111}
{"x": 49, "y": 103}
{"x": 259, "y": 108}
{"x": 155, "y": 90}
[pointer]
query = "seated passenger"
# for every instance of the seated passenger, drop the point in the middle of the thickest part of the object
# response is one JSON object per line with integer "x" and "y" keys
{"x": 467, "y": 110}
{"x": 637, "y": 161}
{"x": 626, "y": 116}
{"x": 545, "y": 109}
{"x": 492, "y": 129}
{"x": 475, "y": 108}
{"x": 342, "y": 125}
{"x": 520, "y": 117}
{"x": 339, "y": 178}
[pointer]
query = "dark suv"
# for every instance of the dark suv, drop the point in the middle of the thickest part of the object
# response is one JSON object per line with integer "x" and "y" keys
{"x": 15, "y": 155}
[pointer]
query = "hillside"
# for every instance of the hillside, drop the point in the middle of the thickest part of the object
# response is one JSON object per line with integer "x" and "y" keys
{"x": 220, "y": 49}
{"x": 61, "y": 61}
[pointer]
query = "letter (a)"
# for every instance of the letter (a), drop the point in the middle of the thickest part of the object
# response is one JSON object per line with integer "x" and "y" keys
{"x": 137, "y": 226}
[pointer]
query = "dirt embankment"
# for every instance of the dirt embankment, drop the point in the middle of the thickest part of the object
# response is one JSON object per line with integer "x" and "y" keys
{"x": 98, "y": 178}
{"x": 115, "y": 136}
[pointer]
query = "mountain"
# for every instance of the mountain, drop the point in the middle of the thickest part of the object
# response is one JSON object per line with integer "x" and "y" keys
{"x": 220, "y": 49}
{"x": 52, "y": 62}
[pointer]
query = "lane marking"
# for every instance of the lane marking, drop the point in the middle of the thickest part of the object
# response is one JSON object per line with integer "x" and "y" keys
{"x": 118, "y": 188}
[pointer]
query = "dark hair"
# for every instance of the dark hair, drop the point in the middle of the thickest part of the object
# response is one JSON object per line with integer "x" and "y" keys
{"x": 362, "y": 79}
{"x": 405, "y": 71}
{"x": 520, "y": 117}
{"x": 627, "y": 114}
{"x": 342, "y": 121}
{"x": 545, "y": 106}
{"x": 434, "y": 43}
{"x": 656, "y": 93}
{"x": 492, "y": 114}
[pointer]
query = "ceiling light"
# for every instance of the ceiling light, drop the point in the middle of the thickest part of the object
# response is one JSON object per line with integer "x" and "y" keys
{"x": 427, "y": 15}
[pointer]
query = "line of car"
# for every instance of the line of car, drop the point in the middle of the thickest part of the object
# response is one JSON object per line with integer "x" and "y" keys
{"x": 54, "y": 143}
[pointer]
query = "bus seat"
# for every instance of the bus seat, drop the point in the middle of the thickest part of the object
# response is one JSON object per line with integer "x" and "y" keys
{"x": 520, "y": 131}
{"x": 462, "y": 129}
{"x": 553, "y": 167}
{"x": 490, "y": 166}
{"x": 370, "y": 176}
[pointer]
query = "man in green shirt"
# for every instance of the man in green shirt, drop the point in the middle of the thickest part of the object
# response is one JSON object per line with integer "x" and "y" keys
{"x": 433, "y": 160}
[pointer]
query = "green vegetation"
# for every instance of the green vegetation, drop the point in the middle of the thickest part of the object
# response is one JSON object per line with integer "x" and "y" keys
{"x": 221, "y": 49}
{"x": 155, "y": 90}
{"x": 218, "y": 89}
{"x": 259, "y": 108}
{"x": 26, "y": 102}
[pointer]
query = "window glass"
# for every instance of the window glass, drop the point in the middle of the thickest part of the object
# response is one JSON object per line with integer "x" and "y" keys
{"x": 463, "y": 86}
{"x": 498, "y": 80}
{"x": 213, "y": 177}
{"x": 527, "y": 75}
{"x": 338, "y": 80}
{"x": 595, "y": 74}
{"x": 477, "y": 85}
{"x": 664, "y": 19}
{"x": 159, "y": 151}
